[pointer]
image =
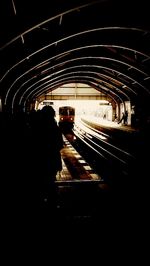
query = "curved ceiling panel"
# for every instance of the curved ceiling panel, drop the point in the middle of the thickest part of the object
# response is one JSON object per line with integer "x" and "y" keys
{"x": 102, "y": 43}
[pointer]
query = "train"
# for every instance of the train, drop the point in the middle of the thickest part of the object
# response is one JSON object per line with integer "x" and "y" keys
{"x": 66, "y": 117}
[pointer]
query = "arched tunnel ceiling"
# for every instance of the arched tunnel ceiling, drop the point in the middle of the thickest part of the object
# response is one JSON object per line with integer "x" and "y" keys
{"x": 46, "y": 44}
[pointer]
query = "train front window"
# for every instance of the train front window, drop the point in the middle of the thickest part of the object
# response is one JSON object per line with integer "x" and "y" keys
{"x": 71, "y": 112}
{"x": 66, "y": 111}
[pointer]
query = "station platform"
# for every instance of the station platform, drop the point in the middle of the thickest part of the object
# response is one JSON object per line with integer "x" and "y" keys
{"x": 108, "y": 124}
{"x": 79, "y": 188}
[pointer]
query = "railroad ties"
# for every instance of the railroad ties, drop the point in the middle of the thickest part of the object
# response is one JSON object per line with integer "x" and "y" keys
{"x": 75, "y": 168}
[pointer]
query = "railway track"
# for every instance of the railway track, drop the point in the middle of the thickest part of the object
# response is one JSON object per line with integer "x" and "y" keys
{"x": 102, "y": 152}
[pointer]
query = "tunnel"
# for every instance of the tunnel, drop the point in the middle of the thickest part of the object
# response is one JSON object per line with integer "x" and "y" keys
{"x": 101, "y": 43}
{"x": 46, "y": 46}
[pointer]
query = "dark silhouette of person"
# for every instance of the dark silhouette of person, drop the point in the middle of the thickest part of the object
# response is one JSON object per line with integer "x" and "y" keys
{"x": 124, "y": 118}
{"x": 50, "y": 155}
{"x": 48, "y": 143}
